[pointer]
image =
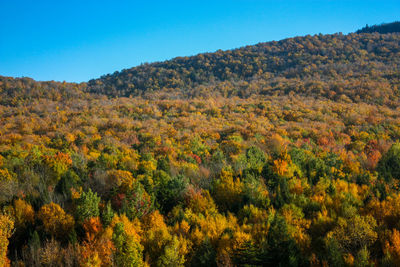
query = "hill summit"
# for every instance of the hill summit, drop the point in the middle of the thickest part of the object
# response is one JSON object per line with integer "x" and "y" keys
{"x": 382, "y": 28}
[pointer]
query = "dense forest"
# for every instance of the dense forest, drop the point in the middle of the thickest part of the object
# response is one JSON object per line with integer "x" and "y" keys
{"x": 279, "y": 154}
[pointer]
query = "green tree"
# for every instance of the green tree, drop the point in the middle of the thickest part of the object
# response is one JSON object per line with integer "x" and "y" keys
{"x": 362, "y": 258}
{"x": 87, "y": 206}
{"x": 128, "y": 252}
{"x": 281, "y": 249}
{"x": 137, "y": 202}
{"x": 334, "y": 253}
{"x": 107, "y": 214}
{"x": 278, "y": 248}
{"x": 205, "y": 255}
{"x": 68, "y": 180}
{"x": 389, "y": 165}
{"x": 171, "y": 192}
{"x": 171, "y": 257}
{"x": 255, "y": 159}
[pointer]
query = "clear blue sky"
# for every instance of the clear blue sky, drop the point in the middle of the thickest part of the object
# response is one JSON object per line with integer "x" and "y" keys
{"x": 79, "y": 40}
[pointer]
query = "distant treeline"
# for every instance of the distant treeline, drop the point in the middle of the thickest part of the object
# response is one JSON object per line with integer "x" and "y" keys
{"x": 381, "y": 28}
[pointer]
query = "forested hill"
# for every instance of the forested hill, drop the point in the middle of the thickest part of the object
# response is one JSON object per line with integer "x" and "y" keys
{"x": 358, "y": 67}
{"x": 354, "y": 67}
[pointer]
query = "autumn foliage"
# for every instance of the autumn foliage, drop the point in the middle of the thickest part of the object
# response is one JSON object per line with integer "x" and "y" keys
{"x": 280, "y": 154}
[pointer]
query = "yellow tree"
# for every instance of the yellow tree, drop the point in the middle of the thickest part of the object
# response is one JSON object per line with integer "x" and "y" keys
{"x": 6, "y": 227}
{"x": 156, "y": 234}
{"x": 22, "y": 213}
{"x": 228, "y": 191}
{"x": 55, "y": 221}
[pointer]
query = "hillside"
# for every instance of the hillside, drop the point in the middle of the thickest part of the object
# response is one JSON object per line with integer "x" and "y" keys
{"x": 279, "y": 154}
{"x": 354, "y": 67}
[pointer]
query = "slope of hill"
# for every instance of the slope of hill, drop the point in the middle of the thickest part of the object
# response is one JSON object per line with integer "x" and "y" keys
{"x": 354, "y": 67}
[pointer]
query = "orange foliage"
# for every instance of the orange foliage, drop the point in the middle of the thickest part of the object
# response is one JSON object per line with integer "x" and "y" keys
{"x": 97, "y": 248}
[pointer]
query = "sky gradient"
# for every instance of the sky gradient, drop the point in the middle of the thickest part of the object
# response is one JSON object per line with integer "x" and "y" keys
{"x": 76, "y": 41}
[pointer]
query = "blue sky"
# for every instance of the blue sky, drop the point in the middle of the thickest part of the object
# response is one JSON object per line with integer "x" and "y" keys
{"x": 79, "y": 40}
